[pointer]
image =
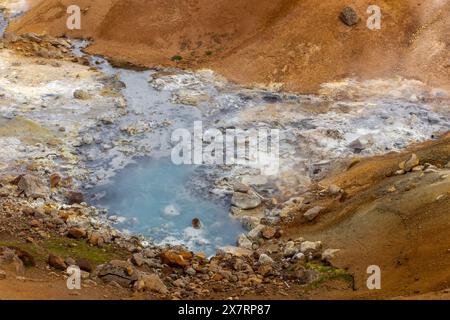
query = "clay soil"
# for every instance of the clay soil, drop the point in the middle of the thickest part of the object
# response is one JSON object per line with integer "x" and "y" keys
{"x": 297, "y": 43}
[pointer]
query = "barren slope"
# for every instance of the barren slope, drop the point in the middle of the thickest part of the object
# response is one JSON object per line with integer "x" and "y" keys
{"x": 301, "y": 43}
{"x": 399, "y": 223}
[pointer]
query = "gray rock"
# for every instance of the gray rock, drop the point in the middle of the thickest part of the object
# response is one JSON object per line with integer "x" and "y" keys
{"x": 244, "y": 242}
{"x": 245, "y": 201}
{"x": 290, "y": 249}
{"x": 152, "y": 282}
{"x": 88, "y": 139}
{"x": 33, "y": 187}
{"x": 240, "y": 187}
{"x": 191, "y": 271}
{"x": 309, "y": 247}
{"x": 312, "y": 213}
{"x": 249, "y": 222}
{"x": 81, "y": 95}
{"x": 361, "y": 143}
{"x": 299, "y": 257}
{"x": 137, "y": 259}
{"x": 256, "y": 232}
{"x": 265, "y": 259}
{"x": 117, "y": 271}
{"x": 349, "y": 16}
{"x": 329, "y": 254}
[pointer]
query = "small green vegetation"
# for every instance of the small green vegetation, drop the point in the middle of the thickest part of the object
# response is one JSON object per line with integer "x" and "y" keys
{"x": 79, "y": 249}
{"x": 65, "y": 247}
{"x": 176, "y": 58}
{"x": 209, "y": 53}
{"x": 328, "y": 273}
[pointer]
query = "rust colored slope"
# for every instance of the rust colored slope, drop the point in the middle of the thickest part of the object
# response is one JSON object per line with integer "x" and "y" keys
{"x": 399, "y": 223}
{"x": 301, "y": 43}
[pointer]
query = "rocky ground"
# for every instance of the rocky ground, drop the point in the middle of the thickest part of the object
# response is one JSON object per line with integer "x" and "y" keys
{"x": 41, "y": 238}
{"x": 312, "y": 239}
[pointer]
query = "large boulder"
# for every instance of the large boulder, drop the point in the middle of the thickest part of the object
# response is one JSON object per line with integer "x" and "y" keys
{"x": 56, "y": 262}
{"x": 9, "y": 261}
{"x": 311, "y": 248}
{"x": 245, "y": 201}
{"x": 152, "y": 282}
{"x": 176, "y": 259}
{"x": 33, "y": 187}
{"x": 244, "y": 242}
{"x": 120, "y": 272}
{"x": 77, "y": 233}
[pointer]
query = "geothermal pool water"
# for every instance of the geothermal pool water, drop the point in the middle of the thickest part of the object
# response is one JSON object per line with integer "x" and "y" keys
{"x": 153, "y": 199}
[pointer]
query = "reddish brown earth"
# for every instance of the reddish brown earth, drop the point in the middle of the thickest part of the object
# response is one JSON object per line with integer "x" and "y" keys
{"x": 300, "y": 43}
{"x": 403, "y": 230}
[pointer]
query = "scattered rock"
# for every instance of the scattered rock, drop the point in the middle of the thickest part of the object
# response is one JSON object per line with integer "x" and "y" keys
{"x": 265, "y": 269}
{"x": 264, "y": 258}
{"x": 191, "y": 271}
{"x": 268, "y": 232}
{"x": 240, "y": 187}
{"x": 334, "y": 190}
{"x": 152, "y": 282}
{"x": 179, "y": 283}
{"x": 77, "y": 233}
{"x": 26, "y": 258}
{"x": 85, "y": 265}
{"x": 291, "y": 207}
{"x": 120, "y": 272}
{"x": 55, "y": 179}
{"x": 299, "y": 257}
{"x": 96, "y": 239}
{"x": 81, "y": 95}
{"x": 137, "y": 259}
{"x": 312, "y": 213}
{"x": 245, "y": 201}
{"x": 33, "y": 187}
{"x": 329, "y": 254}
{"x": 290, "y": 249}
{"x": 32, "y": 37}
{"x": 87, "y": 139}
{"x": 244, "y": 242}
{"x": 10, "y": 261}
{"x": 56, "y": 262}
{"x": 235, "y": 251}
{"x": 361, "y": 143}
{"x": 2, "y": 275}
{"x": 70, "y": 261}
{"x": 256, "y": 232}
{"x": 309, "y": 247}
{"x": 249, "y": 222}
{"x": 349, "y": 16}
{"x": 412, "y": 162}
{"x": 418, "y": 168}
{"x": 74, "y": 197}
{"x": 176, "y": 259}
{"x": 196, "y": 223}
